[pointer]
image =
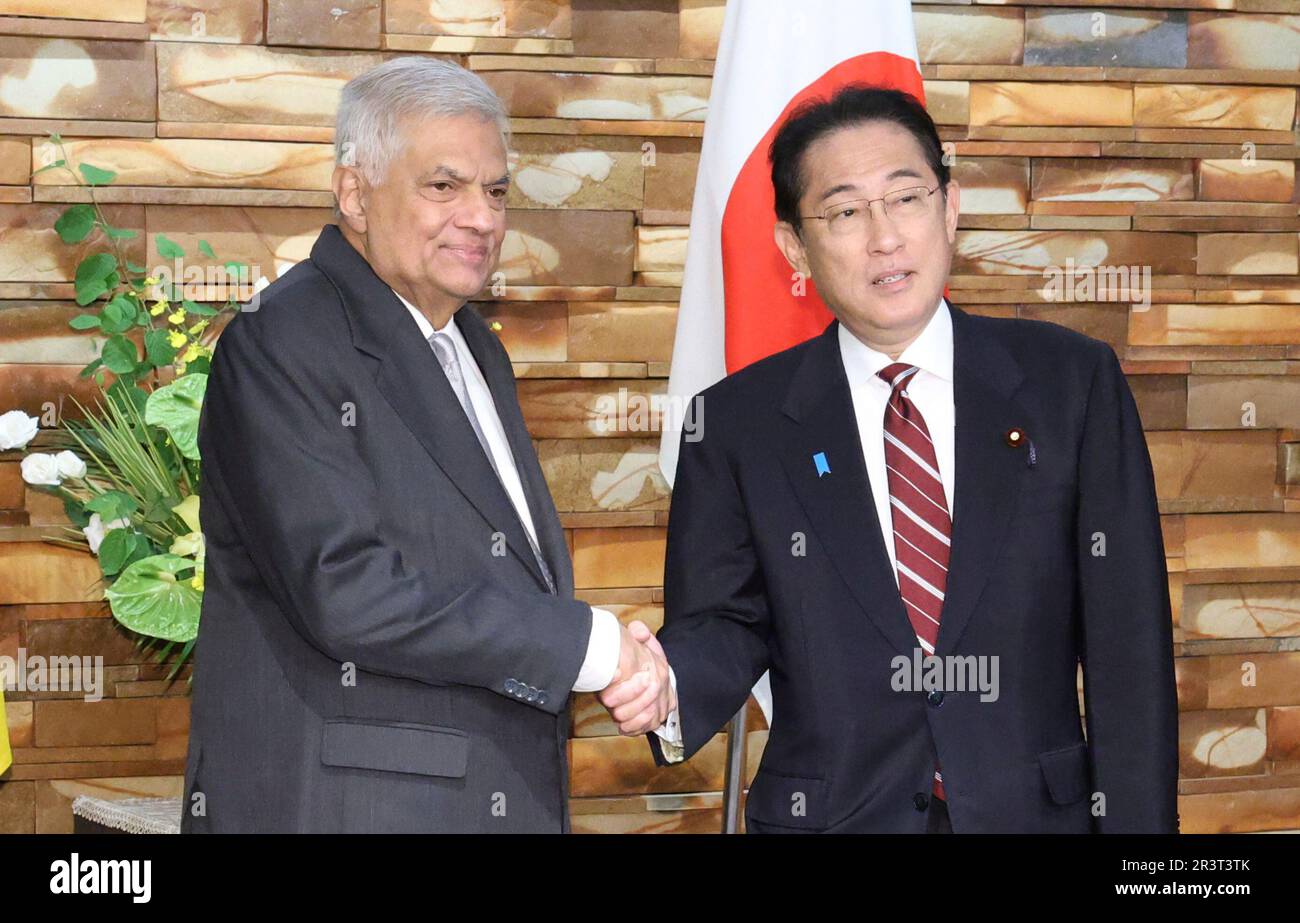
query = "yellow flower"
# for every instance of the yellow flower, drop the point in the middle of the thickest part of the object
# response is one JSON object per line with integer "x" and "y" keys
{"x": 197, "y": 582}
{"x": 176, "y": 339}
{"x": 158, "y": 308}
{"x": 191, "y": 353}
{"x": 188, "y": 511}
{"x": 150, "y": 280}
{"x": 198, "y": 328}
{"x": 176, "y": 317}
{"x": 187, "y": 545}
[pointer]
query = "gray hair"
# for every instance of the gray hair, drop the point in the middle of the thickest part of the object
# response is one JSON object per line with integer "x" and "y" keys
{"x": 373, "y": 106}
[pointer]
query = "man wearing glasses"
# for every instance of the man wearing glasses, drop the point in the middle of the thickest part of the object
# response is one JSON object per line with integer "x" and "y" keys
{"x": 922, "y": 522}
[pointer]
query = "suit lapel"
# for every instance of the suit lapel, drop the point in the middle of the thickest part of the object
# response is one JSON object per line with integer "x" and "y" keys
{"x": 408, "y": 375}
{"x": 839, "y": 504}
{"x": 501, "y": 382}
{"x": 989, "y": 473}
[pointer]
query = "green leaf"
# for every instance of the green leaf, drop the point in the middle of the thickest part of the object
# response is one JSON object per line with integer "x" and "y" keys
{"x": 120, "y": 234}
{"x": 75, "y": 224}
{"x": 134, "y": 267}
{"x": 199, "y": 366}
{"x": 193, "y": 307}
{"x": 76, "y": 512}
{"x": 112, "y": 504}
{"x": 175, "y": 407}
{"x": 118, "y": 315}
{"x": 206, "y": 249}
{"x": 125, "y": 393}
{"x": 52, "y": 165}
{"x": 96, "y": 266}
{"x": 167, "y": 248}
{"x": 160, "y": 510}
{"x": 84, "y": 322}
{"x": 149, "y": 599}
{"x": 90, "y": 369}
{"x": 120, "y": 355}
{"x": 93, "y": 276}
{"x": 89, "y": 291}
{"x": 157, "y": 349}
{"x": 120, "y": 547}
{"x": 95, "y": 175}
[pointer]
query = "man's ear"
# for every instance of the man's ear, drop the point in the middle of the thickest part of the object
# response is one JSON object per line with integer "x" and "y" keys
{"x": 952, "y": 207}
{"x": 787, "y": 239}
{"x": 350, "y": 193}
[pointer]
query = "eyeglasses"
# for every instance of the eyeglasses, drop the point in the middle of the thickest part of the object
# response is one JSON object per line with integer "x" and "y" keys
{"x": 854, "y": 217}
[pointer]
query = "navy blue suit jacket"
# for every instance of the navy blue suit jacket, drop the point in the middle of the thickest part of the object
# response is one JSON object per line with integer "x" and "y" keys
{"x": 1054, "y": 563}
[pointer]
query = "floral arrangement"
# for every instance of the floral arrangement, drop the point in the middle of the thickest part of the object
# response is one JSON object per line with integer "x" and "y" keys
{"x": 128, "y": 470}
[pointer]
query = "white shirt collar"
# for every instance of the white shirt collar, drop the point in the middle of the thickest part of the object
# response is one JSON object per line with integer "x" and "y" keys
{"x": 426, "y": 328}
{"x": 931, "y": 351}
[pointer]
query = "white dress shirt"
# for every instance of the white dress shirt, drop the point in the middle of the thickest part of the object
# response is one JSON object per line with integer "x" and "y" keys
{"x": 601, "y": 661}
{"x": 930, "y": 390}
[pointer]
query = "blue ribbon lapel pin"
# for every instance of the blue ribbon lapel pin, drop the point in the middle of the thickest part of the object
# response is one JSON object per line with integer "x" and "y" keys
{"x": 822, "y": 465}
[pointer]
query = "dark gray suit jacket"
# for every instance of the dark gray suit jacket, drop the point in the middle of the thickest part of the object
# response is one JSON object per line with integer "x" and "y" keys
{"x": 378, "y": 650}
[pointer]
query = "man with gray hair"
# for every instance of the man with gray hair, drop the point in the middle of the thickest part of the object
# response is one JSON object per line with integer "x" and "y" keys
{"x": 389, "y": 635}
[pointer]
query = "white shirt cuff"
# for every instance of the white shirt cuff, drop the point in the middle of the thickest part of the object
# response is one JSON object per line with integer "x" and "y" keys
{"x": 670, "y": 732}
{"x": 603, "y": 645}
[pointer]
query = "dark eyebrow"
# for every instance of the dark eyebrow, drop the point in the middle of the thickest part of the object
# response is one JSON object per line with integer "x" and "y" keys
{"x": 836, "y": 190}
{"x": 851, "y": 187}
{"x": 903, "y": 171}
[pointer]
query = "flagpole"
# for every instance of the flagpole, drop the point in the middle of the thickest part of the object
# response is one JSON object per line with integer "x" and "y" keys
{"x": 735, "y": 774}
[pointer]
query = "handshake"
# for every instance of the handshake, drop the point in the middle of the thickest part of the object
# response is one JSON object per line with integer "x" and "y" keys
{"x": 640, "y": 697}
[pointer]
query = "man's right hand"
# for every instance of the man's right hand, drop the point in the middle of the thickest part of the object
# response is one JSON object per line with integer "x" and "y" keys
{"x": 633, "y": 657}
{"x": 640, "y": 696}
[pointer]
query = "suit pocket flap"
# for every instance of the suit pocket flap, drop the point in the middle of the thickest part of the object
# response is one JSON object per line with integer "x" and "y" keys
{"x": 1066, "y": 772}
{"x": 787, "y": 801}
{"x": 416, "y": 748}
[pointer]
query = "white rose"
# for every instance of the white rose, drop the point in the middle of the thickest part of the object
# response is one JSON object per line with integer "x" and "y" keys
{"x": 41, "y": 468}
{"x": 17, "y": 429}
{"x": 96, "y": 529}
{"x": 70, "y": 466}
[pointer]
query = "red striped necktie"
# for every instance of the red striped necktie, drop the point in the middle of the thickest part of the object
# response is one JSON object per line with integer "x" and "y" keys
{"x": 922, "y": 526}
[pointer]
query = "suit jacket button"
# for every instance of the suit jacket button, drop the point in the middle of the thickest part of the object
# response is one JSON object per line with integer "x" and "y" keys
{"x": 921, "y": 801}
{"x": 935, "y": 698}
